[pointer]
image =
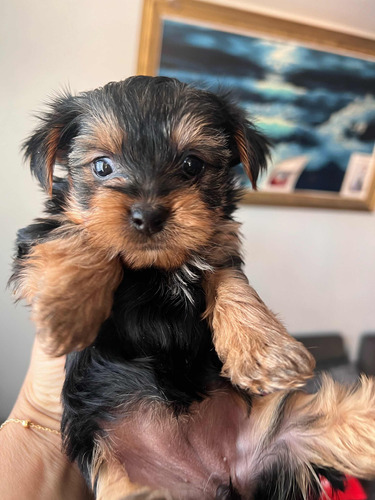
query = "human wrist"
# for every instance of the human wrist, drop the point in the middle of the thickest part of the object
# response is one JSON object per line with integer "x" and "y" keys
{"x": 32, "y": 460}
{"x": 26, "y": 409}
{"x": 32, "y": 457}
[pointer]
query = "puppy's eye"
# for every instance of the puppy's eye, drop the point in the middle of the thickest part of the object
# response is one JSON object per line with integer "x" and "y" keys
{"x": 102, "y": 167}
{"x": 192, "y": 166}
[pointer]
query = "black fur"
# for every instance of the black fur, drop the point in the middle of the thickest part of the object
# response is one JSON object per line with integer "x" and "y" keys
{"x": 63, "y": 120}
{"x": 155, "y": 345}
{"x": 135, "y": 106}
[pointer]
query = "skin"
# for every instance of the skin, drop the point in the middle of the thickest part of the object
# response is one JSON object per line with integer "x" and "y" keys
{"x": 32, "y": 464}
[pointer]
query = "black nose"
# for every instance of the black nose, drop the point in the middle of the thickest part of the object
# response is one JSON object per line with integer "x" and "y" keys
{"x": 148, "y": 219}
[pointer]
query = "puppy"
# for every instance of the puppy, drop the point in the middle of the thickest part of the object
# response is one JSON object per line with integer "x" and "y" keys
{"x": 136, "y": 272}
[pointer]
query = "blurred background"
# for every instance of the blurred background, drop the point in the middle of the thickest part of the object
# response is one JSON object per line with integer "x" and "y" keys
{"x": 314, "y": 267}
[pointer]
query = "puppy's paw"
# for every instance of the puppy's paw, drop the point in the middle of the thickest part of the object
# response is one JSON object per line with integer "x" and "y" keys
{"x": 72, "y": 296}
{"x": 269, "y": 366}
{"x": 149, "y": 494}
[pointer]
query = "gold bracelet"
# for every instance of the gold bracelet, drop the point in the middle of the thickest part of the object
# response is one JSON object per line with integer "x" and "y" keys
{"x": 28, "y": 425}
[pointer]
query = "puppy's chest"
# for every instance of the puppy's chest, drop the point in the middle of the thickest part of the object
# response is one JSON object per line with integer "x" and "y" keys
{"x": 154, "y": 346}
{"x": 156, "y": 312}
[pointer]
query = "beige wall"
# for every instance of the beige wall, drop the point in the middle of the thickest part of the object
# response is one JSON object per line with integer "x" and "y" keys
{"x": 46, "y": 46}
{"x": 315, "y": 267}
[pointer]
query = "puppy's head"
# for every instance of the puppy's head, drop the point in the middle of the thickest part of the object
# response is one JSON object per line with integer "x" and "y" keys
{"x": 150, "y": 165}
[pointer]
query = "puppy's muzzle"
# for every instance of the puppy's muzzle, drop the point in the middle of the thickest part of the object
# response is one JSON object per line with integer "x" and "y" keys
{"x": 148, "y": 219}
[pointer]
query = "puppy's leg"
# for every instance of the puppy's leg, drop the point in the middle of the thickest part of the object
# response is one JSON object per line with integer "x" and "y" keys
{"x": 336, "y": 427}
{"x": 69, "y": 285}
{"x": 294, "y": 437}
{"x": 257, "y": 351}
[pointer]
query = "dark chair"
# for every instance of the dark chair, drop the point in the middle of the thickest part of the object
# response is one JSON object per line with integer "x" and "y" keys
{"x": 366, "y": 354}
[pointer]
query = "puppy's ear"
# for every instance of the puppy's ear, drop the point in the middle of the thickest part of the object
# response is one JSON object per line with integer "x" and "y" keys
{"x": 49, "y": 143}
{"x": 249, "y": 146}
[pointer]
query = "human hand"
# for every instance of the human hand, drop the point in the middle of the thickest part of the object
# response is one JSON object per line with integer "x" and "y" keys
{"x": 32, "y": 463}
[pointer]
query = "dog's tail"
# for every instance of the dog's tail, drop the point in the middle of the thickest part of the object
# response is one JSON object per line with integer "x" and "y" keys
{"x": 296, "y": 437}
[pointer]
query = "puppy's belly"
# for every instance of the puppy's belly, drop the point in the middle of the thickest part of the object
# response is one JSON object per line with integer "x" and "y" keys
{"x": 190, "y": 455}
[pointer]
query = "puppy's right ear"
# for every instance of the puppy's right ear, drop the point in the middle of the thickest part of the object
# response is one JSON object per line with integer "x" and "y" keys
{"x": 50, "y": 142}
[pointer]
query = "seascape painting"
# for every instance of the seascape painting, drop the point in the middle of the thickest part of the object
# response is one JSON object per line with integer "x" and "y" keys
{"x": 317, "y": 106}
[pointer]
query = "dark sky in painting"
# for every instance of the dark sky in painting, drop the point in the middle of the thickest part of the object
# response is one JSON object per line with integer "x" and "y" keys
{"x": 308, "y": 101}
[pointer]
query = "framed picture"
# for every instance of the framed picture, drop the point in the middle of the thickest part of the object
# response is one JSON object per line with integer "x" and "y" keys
{"x": 311, "y": 90}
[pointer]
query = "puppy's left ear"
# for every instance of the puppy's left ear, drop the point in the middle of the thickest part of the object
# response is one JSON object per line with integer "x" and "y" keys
{"x": 249, "y": 146}
{"x": 50, "y": 142}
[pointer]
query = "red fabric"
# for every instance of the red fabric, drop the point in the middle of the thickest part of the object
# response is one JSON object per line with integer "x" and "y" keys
{"x": 353, "y": 490}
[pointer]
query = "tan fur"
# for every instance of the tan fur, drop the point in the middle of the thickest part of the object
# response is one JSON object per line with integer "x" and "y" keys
{"x": 257, "y": 351}
{"x": 245, "y": 155}
{"x": 100, "y": 136}
{"x": 194, "y": 133}
{"x": 70, "y": 280}
{"x": 112, "y": 481}
{"x": 224, "y": 243}
{"x": 52, "y": 143}
{"x": 73, "y": 211}
{"x": 69, "y": 285}
{"x": 339, "y": 428}
{"x": 333, "y": 428}
{"x": 189, "y": 227}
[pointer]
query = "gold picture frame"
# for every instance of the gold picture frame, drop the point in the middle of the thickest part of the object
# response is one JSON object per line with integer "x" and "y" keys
{"x": 354, "y": 191}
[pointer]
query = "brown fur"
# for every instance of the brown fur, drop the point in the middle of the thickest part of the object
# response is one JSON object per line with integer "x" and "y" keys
{"x": 113, "y": 483}
{"x": 103, "y": 236}
{"x": 245, "y": 155}
{"x": 224, "y": 243}
{"x": 110, "y": 480}
{"x": 195, "y": 134}
{"x": 257, "y": 352}
{"x": 52, "y": 141}
{"x": 102, "y": 135}
{"x": 69, "y": 285}
{"x": 189, "y": 227}
{"x": 332, "y": 428}
{"x": 339, "y": 428}
{"x": 69, "y": 280}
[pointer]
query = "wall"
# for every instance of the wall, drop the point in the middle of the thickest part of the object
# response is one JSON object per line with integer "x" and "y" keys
{"x": 46, "y": 46}
{"x": 315, "y": 267}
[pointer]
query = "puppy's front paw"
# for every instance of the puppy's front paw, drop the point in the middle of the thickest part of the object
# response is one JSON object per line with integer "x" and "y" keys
{"x": 70, "y": 292}
{"x": 149, "y": 494}
{"x": 266, "y": 367}
{"x": 257, "y": 352}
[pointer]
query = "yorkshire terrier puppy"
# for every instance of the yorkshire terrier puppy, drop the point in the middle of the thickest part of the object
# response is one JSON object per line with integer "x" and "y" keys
{"x": 135, "y": 271}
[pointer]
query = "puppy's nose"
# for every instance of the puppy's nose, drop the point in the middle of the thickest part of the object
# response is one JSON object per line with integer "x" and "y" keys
{"x": 148, "y": 219}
